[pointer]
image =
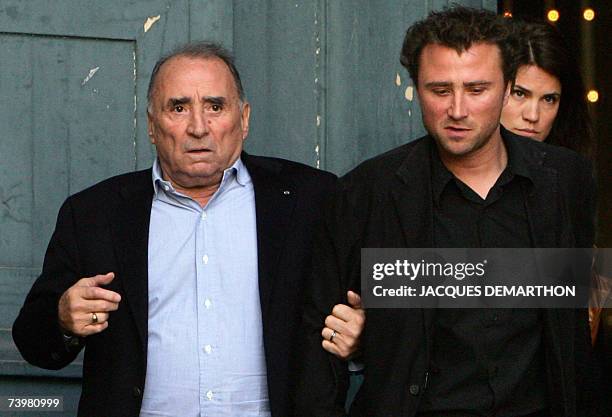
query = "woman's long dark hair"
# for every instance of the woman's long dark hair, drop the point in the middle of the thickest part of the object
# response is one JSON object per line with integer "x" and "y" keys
{"x": 542, "y": 45}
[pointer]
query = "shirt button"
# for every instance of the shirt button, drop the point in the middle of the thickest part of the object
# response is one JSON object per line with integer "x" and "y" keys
{"x": 205, "y": 259}
{"x": 414, "y": 389}
{"x": 204, "y": 215}
{"x": 208, "y": 349}
{"x": 209, "y": 395}
{"x": 207, "y": 303}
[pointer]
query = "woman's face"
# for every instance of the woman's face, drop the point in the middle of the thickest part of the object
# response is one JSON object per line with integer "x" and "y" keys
{"x": 533, "y": 104}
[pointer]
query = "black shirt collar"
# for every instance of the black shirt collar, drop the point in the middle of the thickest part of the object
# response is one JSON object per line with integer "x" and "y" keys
{"x": 517, "y": 166}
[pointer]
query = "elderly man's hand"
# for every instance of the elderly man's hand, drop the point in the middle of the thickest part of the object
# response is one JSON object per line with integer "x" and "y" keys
{"x": 345, "y": 324}
{"x": 84, "y": 308}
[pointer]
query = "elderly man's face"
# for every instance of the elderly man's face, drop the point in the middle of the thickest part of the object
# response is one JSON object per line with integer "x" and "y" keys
{"x": 462, "y": 96}
{"x": 196, "y": 121}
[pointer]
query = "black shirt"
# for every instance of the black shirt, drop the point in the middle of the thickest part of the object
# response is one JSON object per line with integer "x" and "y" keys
{"x": 484, "y": 362}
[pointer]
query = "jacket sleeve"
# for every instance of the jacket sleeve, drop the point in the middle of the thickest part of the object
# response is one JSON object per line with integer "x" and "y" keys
{"x": 323, "y": 380}
{"x": 36, "y": 330}
{"x": 584, "y": 217}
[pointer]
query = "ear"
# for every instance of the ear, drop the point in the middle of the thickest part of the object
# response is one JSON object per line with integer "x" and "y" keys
{"x": 507, "y": 92}
{"x": 244, "y": 119}
{"x": 150, "y": 127}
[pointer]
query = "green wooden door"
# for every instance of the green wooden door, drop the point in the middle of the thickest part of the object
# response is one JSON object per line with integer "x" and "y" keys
{"x": 73, "y": 79}
{"x": 323, "y": 77}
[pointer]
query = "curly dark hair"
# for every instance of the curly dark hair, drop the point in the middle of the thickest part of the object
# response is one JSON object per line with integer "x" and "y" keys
{"x": 459, "y": 28}
{"x": 542, "y": 45}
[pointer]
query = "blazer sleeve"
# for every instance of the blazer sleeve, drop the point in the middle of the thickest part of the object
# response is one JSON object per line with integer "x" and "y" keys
{"x": 36, "y": 330}
{"x": 583, "y": 200}
{"x": 323, "y": 380}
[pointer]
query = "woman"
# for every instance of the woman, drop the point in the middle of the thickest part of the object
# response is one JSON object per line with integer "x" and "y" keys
{"x": 547, "y": 101}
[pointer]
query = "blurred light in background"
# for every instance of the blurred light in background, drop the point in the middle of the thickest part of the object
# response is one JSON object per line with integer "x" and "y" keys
{"x": 553, "y": 15}
{"x": 588, "y": 14}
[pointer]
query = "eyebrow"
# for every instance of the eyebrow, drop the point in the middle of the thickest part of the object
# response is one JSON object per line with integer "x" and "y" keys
{"x": 214, "y": 100}
{"x": 520, "y": 87}
{"x": 476, "y": 83}
{"x": 177, "y": 101}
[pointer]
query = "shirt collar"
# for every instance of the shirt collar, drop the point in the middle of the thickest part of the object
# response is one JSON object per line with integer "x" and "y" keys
{"x": 517, "y": 165}
{"x": 237, "y": 170}
{"x": 516, "y": 157}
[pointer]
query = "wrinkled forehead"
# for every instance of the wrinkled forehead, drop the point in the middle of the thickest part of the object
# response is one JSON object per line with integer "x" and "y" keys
{"x": 439, "y": 62}
{"x": 187, "y": 76}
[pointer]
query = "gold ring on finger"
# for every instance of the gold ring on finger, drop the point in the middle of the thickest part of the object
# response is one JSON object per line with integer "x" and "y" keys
{"x": 331, "y": 338}
{"x": 94, "y": 318}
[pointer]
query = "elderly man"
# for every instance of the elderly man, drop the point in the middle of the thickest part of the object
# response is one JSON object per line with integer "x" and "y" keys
{"x": 467, "y": 184}
{"x": 182, "y": 282}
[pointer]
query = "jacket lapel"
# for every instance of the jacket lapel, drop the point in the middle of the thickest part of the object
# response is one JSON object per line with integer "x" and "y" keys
{"x": 274, "y": 203}
{"x": 543, "y": 212}
{"x": 542, "y": 200}
{"x": 414, "y": 208}
{"x": 411, "y": 196}
{"x": 131, "y": 241}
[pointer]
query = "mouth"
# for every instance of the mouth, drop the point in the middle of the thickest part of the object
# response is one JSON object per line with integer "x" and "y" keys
{"x": 457, "y": 130}
{"x": 528, "y": 131}
{"x": 198, "y": 151}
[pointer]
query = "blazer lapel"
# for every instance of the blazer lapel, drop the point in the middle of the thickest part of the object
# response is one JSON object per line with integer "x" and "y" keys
{"x": 131, "y": 241}
{"x": 543, "y": 212}
{"x": 412, "y": 197}
{"x": 413, "y": 202}
{"x": 274, "y": 204}
{"x": 542, "y": 201}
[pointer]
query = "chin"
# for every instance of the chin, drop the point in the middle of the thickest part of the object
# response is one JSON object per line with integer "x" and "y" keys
{"x": 453, "y": 148}
{"x": 534, "y": 136}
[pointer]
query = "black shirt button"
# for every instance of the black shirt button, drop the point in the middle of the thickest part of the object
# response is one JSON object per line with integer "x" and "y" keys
{"x": 55, "y": 356}
{"x": 414, "y": 389}
{"x": 136, "y": 392}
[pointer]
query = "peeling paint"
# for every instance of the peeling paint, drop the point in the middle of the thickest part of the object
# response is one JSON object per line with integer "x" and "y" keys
{"x": 92, "y": 72}
{"x": 398, "y": 80}
{"x": 409, "y": 94}
{"x": 318, "y": 120}
{"x": 150, "y": 22}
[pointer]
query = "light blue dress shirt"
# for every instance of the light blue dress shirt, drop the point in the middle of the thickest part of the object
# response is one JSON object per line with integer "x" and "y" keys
{"x": 205, "y": 353}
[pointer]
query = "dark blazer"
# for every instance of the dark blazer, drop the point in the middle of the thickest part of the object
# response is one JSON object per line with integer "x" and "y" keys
{"x": 387, "y": 202}
{"x": 105, "y": 228}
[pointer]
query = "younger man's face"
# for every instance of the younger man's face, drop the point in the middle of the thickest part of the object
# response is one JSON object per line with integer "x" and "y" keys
{"x": 462, "y": 96}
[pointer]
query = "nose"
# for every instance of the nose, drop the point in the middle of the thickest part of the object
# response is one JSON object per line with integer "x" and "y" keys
{"x": 458, "y": 108}
{"x": 198, "y": 124}
{"x": 531, "y": 112}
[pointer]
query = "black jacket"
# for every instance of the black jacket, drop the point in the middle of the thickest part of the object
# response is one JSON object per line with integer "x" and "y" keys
{"x": 105, "y": 228}
{"x": 386, "y": 202}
